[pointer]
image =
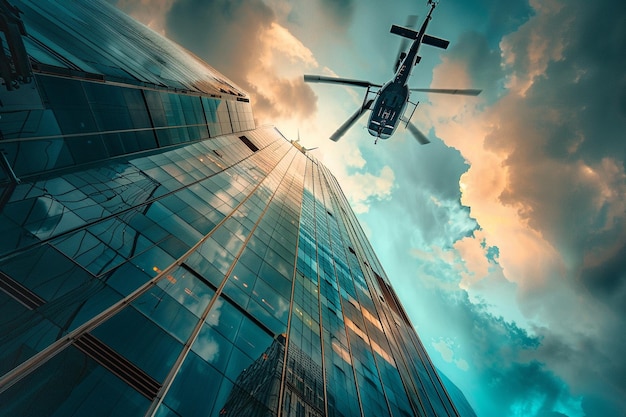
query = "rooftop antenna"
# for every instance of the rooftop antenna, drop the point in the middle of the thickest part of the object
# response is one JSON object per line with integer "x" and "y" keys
{"x": 301, "y": 148}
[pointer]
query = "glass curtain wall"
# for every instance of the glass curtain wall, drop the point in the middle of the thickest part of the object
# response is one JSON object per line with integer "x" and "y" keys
{"x": 187, "y": 283}
{"x": 92, "y": 91}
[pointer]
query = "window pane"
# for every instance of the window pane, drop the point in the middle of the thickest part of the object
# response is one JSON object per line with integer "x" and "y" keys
{"x": 188, "y": 290}
{"x": 194, "y": 390}
{"x": 71, "y": 385}
{"x": 213, "y": 348}
{"x": 141, "y": 341}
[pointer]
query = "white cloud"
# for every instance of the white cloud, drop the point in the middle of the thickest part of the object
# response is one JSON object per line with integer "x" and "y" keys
{"x": 362, "y": 188}
{"x": 462, "y": 364}
{"x": 444, "y": 347}
{"x": 207, "y": 348}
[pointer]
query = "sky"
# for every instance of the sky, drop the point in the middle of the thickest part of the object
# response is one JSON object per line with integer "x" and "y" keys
{"x": 505, "y": 238}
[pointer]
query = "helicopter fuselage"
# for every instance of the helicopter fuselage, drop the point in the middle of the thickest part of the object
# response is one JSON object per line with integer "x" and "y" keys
{"x": 388, "y": 109}
{"x": 393, "y": 96}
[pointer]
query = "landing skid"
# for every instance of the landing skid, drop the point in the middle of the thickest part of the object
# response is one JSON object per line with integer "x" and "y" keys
{"x": 407, "y": 120}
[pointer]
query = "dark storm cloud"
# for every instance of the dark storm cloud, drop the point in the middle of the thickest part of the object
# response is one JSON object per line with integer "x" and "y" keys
{"x": 500, "y": 356}
{"x": 231, "y": 36}
{"x": 603, "y": 376}
{"x": 566, "y": 169}
{"x": 493, "y": 18}
{"x": 602, "y": 87}
{"x": 564, "y": 137}
{"x": 482, "y": 62}
{"x": 606, "y": 281}
{"x": 587, "y": 85}
{"x": 224, "y": 33}
{"x": 506, "y": 16}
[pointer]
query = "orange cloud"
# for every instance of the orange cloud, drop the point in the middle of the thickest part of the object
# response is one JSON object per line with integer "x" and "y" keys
{"x": 549, "y": 207}
{"x": 276, "y": 81}
{"x": 526, "y": 256}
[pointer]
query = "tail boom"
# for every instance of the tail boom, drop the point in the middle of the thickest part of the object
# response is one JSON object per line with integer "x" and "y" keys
{"x": 412, "y": 34}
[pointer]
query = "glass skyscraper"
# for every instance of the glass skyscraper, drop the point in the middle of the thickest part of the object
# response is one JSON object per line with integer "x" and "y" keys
{"x": 160, "y": 255}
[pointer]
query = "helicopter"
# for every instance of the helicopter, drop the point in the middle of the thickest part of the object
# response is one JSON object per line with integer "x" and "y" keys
{"x": 388, "y": 102}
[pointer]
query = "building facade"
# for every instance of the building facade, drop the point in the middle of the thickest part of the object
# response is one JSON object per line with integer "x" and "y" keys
{"x": 160, "y": 255}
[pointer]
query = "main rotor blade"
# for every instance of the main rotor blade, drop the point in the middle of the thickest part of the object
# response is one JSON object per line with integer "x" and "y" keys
{"x": 348, "y": 123}
{"x": 448, "y": 91}
{"x": 417, "y": 134}
{"x": 336, "y": 80}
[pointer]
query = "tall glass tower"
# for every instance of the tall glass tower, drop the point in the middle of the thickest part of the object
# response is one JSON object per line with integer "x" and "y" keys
{"x": 160, "y": 255}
